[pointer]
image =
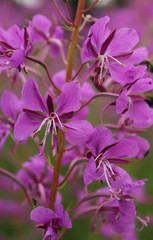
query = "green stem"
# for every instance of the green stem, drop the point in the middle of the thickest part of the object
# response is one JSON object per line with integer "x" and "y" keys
{"x": 73, "y": 40}
{"x": 58, "y": 160}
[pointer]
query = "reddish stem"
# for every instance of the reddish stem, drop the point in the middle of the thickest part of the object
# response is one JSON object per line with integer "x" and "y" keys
{"x": 69, "y": 11}
{"x": 46, "y": 69}
{"x": 73, "y": 40}
{"x": 78, "y": 71}
{"x": 73, "y": 165}
{"x": 104, "y": 94}
{"x": 61, "y": 15}
{"x": 90, "y": 7}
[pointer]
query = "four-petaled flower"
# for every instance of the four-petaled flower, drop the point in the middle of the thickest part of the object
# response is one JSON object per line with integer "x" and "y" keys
{"x": 104, "y": 152}
{"x": 38, "y": 112}
{"x": 50, "y": 221}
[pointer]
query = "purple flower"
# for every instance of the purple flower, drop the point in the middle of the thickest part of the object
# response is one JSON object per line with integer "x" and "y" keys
{"x": 121, "y": 215}
{"x": 105, "y": 152}
{"x": 38, "y": 113}
{"x": 86, "y": 92}
{"x": 108, "y": 50}
{"x": 14, "y": 47}
{"x": 50, "y": 221}
{"x": 36, "y": 176}
{"x": 41, "y": 30}
{"x": 133, "y": 106}
{"x": 143, "y": 145}
{"x": 10, "y": 107}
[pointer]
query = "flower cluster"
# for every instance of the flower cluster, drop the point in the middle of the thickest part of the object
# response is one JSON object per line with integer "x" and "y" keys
{"x": 58, "y": 117}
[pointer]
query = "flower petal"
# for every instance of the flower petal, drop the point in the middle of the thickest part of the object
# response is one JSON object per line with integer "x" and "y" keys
{"x": 25, "y": 126}
{"x": 99, "y": 32}
{"x": 77, "y": 132}
{"x": 10, "y": 104}
{"x": 124, "y": 40}
{"x": 69, "y": 100}
{"x": 42, "y": 215}
{"x": 63, "y": 216}
{"x": 121, "y": 102}
{"x": 139, "y": 55}
{"x": 90, "y": 173}
{"x": 99, "y": 138}
{"x": 17, "y": 58}
{"x": 125, "y": 148}
{"x": 31, "y": 96}
{"x": 142, "y": 85}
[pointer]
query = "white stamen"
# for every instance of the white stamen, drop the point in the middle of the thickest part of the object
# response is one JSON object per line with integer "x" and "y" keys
{"x": 116, "y": 60}
{"x": 43, "y": 122}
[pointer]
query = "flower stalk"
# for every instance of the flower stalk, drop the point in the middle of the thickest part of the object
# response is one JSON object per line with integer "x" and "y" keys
{"x": 73, "y": 40}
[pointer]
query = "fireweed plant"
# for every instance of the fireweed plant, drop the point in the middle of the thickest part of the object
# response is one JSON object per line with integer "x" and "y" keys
{"x": 110, "y": 67}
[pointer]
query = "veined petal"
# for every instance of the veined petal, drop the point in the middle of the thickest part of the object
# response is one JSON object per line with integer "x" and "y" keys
{"x": 88, "y": 73}
{"x": 99, "y": 138}
{"x": 125, "y": 148}
{"x": 90, "y": 173}
{"x": 121, "y": 102}
{"x": 25, "y": 126}
{"x": 143, "y": 145}
{"x": 99, "y": 32}
{"x": 142, "y": 85}
{"x": 88, "y": 52}
{"x": 31, "y": 96}
{"x": 77, "y": 132}
{"x": 139, "y": 55}
{"x": 124, "y": 40}
{"x": 69, "y": 100}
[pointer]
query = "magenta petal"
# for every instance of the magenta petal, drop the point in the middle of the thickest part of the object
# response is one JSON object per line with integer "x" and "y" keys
{"x": 87, "y": 91}
{"x": 25, "y": 126}
{"x": 143, "y": 145}
{"x": 139, "y": 55}
{"x": 77, "y": 132}
{"x": 124, "y": 40}
{"x": 42, "y": 215}
{"x": 10, "y": 104}
{"x": 125, "y": 148}
{"x": 123, "y": 180}
{"x": 88, "y": 53}
{"x": 121, "y": 102}
{"x": 15, "y": 37}
{"x": 50, "y": 233}
{"x": 126, "y": 74}
{"x": 31, "y": 96}
{"x": 88, "y": 73}
{"x": 141, "y": 114}
{"x": 142, "y": 85}
{"x": 69, "y": 100}
{"x": 99, "y": 138}
{"x": 42, "y": 23}
{"x": 99, "y": 32}
{"x": 63, "y": 216}
{"x": 90, "y": 173}
{"x": 59, "y": 78}
{"x": 17, "y": 58}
